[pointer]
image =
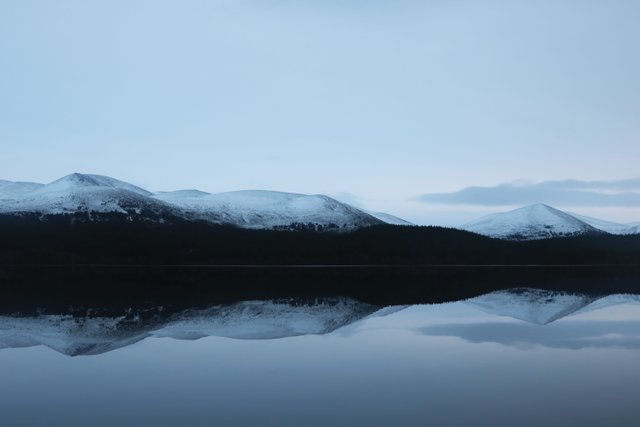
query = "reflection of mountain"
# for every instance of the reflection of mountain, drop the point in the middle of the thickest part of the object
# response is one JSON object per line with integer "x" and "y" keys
{"x": 531, "y": 305}
{"x": 73, "y": 335}
{"x": 542, "y": 307}
{"x": 610, "y": 301}
{"x": 245, "y": 320}
{"x": 578, "y": 329}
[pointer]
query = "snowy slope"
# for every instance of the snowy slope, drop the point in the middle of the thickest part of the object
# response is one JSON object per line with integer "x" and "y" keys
{"x": 388, "y": 218}
{"x": 11, "y": 190}
{"x": 268, "y": 209}
{"x": 532, "y": 305}
{"x": 608, "y": 226}
{"x": 86, "y": 193}
{"x": 537, "y": 221}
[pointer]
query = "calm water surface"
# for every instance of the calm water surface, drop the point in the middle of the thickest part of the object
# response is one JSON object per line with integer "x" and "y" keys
{"x": 560, "y": 362}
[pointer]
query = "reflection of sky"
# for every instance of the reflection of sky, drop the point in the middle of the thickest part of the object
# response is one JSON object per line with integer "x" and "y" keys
{"x": 407, "y": 368}
{"x": 569, "y": 334}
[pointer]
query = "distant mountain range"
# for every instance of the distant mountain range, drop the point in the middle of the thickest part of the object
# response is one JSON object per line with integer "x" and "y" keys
{"x": 96, "y": 195}
{"x": 86, "y": 197}
{"x": 540, "y": 221}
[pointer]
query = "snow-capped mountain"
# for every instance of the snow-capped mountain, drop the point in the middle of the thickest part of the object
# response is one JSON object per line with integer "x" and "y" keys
{"x": 532, "y": 222}
{"x": 96, "y": 194}
{"x": 269, "y": 209}
{"x": 79, "y": 193}
{"x": 76, "y": 180}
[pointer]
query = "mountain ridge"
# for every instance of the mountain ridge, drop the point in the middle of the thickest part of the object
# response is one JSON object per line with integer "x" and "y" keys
{"x": 255, "y": 209}
{"x": 99, "y": 197}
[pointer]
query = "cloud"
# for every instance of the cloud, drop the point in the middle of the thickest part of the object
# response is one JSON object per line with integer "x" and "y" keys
{"x": 568, "y": 193}
{"x": 568, "y": 335}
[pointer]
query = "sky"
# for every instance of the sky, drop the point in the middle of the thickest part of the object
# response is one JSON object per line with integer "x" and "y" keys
{"x": 390, "y": 105}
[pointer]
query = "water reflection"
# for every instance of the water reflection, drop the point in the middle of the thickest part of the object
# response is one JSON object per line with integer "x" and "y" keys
{"x": 76, "y": 336}
{"x": 334, "y": 362}
{"x": 532, "y": 305}
{"x": 569, "y": 335}
{"x": 478, "y": 320}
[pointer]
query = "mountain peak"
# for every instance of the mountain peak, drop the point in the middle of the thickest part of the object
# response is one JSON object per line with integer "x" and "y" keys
{"x": 76, "y": 180}
{"x": 537, "y": 221}
{"x": 538, "y": 206}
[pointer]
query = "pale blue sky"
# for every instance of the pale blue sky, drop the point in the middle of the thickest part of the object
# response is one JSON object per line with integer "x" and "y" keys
{"x": 381, "y": 101}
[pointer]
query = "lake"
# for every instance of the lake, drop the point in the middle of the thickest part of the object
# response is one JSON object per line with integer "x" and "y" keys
{"x": 524, "y": 357}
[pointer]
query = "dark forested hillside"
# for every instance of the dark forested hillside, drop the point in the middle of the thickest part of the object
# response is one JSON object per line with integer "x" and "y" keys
{"x": 28, "y": 240}
{"x": 64, "y": 263}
